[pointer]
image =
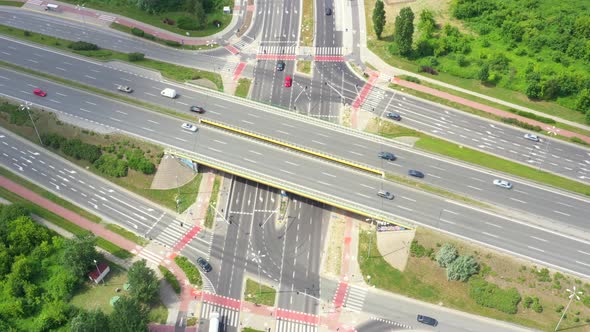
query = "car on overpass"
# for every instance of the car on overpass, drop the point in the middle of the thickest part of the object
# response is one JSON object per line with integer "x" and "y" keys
{"x": 387, "y": 155}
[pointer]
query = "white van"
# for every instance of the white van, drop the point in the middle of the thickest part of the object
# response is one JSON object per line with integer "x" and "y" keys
{"x": 170, "y": 93}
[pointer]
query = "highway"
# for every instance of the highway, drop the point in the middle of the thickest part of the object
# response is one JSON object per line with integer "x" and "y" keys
{"x": 526, "y": 199}
{"x": 306, "y": 172}
{"x": 551, "y": 155}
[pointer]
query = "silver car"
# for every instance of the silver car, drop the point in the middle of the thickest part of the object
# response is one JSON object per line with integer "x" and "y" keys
{"x": 503, "y": 183}
{"x": 532, "y": 137}
{"x": 385, "y": 194}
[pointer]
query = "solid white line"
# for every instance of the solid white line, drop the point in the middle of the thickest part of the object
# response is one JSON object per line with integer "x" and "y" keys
{"x": 582, "y": 263}
{"x": 562, "y": 213}
{"x": 583, "y": 252}
{"x": 492, "y": 224}
{"x": 538, "y": 238}
{"x": 541, "y": 250}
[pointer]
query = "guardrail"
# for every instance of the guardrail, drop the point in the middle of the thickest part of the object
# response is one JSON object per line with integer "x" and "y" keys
{"x": 292, "y": 188}
{"x": 291, "y": 146}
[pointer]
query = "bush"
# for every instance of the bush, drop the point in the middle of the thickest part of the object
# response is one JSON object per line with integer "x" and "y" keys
{"x": 173, "y": 43}
{"x": 412, "y": 79}
{"x": 543, "y": 275}
{"x": 111, "y": 166}
{"x": 192, "y": 273}
{"x": 418, "y": 250}
{"x": 537, "y": 307}
{"x": 559, "y": 308}
{"x": 446, "y": 255}
{"x": 491, "y": 296}
{"x": 83, "y": 46}
{"x": 521, "y": 124}
{"x": 462, "y": 268}
{"x": 534, "y": 116}
{"x": 527, "y": 302}
{"x": 149, "y": 36}
{"x": 135, "y": 56}
{"x": 429, "y": 70}
{"x": 137, "y": 32}
{"x": 188, "y": 23}
{"x": 80, "y": 150}
{"x": 27, "y": 33}
{"x": 170, "y": 278}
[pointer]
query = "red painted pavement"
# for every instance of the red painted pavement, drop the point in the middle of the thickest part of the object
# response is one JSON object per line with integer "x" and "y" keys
{"x": 340, "y": 294}
{"x": 221, "y": 300}
{"x": 239, "y": 69}
{"x": 169, "y": 328}
{"x": 187, "y": 238}
{"x": 250, "y": 8}
{"x": 297, "y": 316}
{"x": 276, "y": 57}
{"x": 329, "y": 58}
{"x": 484, "y": 108}
{"x": 365, "y": 91}
{"x": 232, "y": 49}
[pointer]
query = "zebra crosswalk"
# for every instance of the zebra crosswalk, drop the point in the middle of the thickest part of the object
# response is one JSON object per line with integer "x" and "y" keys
{"x": 328, "y": 51}
{"x": 277, "y": 49}
{"x": 246, "y": 43}
{"x": 290, "y": 326}
{"x": 355, "y": 298}
{"x": 294, "y": 50}
{"x": 373, "y": 100}
{"x": 150, "y": 257}
{"x": 35, "y": 2}
{"x": 227, "y": 316}
{"x": 172, "y": 234}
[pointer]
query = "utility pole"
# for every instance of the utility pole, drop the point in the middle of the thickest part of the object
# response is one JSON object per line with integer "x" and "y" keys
{"x": 573, "y": 295}
{"x": 27, "y": 107}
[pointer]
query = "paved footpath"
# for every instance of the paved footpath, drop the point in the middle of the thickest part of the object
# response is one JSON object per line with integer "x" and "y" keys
{"x": 186, "y": 289}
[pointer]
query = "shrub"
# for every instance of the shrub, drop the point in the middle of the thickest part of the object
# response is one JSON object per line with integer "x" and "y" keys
{"x": 535, "y": 117}
{"x": 521, "y": 124}
{"x": 137, "y": 32}
{"x": 559, "y": 308}
{"x": 27, "y": 33}
{"x": 418, "y": 250}
{"x": 83, "y": 46}
{"x": 446, "y": 255}
{"x": 111, "y": 166}
{"x": 429, "y": 70}
{"x": 53, "y": 140}
{"x": 135, "y": 56}
{"x": 149, "y": 36}
{"x": 462, "y": 268}
{"x": 188, "y": 23}
{"x": 170, "y": 278}
{"x": 192, "y": 273}
{"x": 537, "y": 307}
{"x": 491, "y": 296}
{"x": 412, "y": 79}
{"x": 80, "y": 150}
{"x": 173, "y": 43}
{"x": 527, "y": 302}
{"x": 543, "y": 275}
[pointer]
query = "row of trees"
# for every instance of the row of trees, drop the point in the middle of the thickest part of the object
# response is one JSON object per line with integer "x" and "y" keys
{"x": 198, "y": 10}
{"x": 543, "y": 61}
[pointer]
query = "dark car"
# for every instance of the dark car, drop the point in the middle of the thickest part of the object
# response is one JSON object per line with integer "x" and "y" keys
{"x": 328, "y": 11}
{"x": 204, "y": 264}
{"x": 197, "y": 109}
{"x": 394, "y": 116}
{"x": 280, "y": 65}
{"x": 387, "y": 155}
{"x": 427, "y": 320}
{"x": 416, "y": 173}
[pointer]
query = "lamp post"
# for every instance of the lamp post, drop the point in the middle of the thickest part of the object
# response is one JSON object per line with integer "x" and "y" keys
{"x": 79, "y": 8}
{"x": 370, "y": 238}
{"x": 573, "y": 294}
{"x": 27, "y": 107}
{"x": 257, "y": 258}
{"x": 98, "y": 270}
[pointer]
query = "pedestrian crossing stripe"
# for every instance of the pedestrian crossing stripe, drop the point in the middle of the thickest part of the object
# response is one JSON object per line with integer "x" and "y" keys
{"x": 355, "y": 298}
{"x": 150, "y": 257}
{"x": 390, "y": 322}
{"x": 227, "y": 317}
{"x": 291, "y": 326}
{"x": 303, "y": 51}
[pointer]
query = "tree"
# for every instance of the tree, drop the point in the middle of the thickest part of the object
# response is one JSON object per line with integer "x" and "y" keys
{"x": 462, "y": 268}
{"x": 404, "y": 29}
{"x": 446, "y": 255}
{"x": 144, "y": 282}
{"x": 426, "y": 23}
{"x": 379, "y": 18}
{"x": 484, "y": 73}
{"x": 588, "y": 117}
{"x": 24, "y": 235}
{"x": 129, "y": 316}
{"x": 533, "y": 90}
{"x": 583, "y": 102}
{"x": 79, "y": 254}
{"x": 90, "y": 321}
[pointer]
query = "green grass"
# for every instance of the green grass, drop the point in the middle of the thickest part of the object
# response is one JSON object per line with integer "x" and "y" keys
{"x": 247, "y": 329}
{"x": 128, "y": 10}
{"x": 126, "y": 234}
{"x": 243, "y": 87}
{"x": 91, "y": 296}
{"x": 158, "y": 313}
{"x": 170, "y": 278}
{"x": 307, "y": 24}
{"x": 192, "y": 273}
{"x": 63, "y": 223}
{"x": 48, "y": 195}
{"x": 304, "y": 66}
{"x": 11, "y": 3}
{"x": 126, "y": 29}
{"x": 479, "y": 158}
{"x": 210, "y": 217}
{"x": 167, "y": 197}
{"x": 168, "y": 70}
{"x": 260, "y": 294}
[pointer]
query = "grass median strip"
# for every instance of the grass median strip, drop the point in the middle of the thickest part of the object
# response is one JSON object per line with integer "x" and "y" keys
{"x": 63, "y": 223}
{"x": 170, "y": 278}
{"x": 210, "y": 217}
{"x": 168, "y": 70}
{"x": 243, "y": 87}
{"x": 307, "y": 25}
{"x": 291, "y": 146}
{"x": 11, "y": 3}
{"x": 259, "y": 293}
{"x": 166, "y": 42}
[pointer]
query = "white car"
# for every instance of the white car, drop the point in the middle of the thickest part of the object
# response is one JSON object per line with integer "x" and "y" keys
{"x": 532, "y": 137}
{"x": 503, "y": 183}
{"x": 189, "y": 126}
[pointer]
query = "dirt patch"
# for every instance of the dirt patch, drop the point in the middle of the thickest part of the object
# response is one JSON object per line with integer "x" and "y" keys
{"x": 204, "y": 83}
{"x": 172, "y": 173}
{"x": 247, "y": 21}
{"x": 335, "y": 242}
{"x": 395, "y": 247}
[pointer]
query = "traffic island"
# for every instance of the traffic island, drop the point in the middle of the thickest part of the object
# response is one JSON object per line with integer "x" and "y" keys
{"x": 259, "y": 294}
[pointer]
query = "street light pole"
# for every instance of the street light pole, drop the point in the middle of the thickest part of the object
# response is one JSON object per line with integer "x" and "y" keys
{"x": 370, "y": 238}
{"x": 26, "y": 107}
{"x": 79, "y": 8}
{"x": 98, "y": 270}
{"x": 573, "y": 294}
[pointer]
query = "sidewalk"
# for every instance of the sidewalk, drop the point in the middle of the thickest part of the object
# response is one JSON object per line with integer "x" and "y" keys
{"x": 97, "y": 229}
{"x": 98, "y": 17}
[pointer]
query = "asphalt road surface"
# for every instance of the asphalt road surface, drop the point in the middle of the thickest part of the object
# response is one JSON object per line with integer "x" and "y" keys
{"x": 465, "y": 180}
